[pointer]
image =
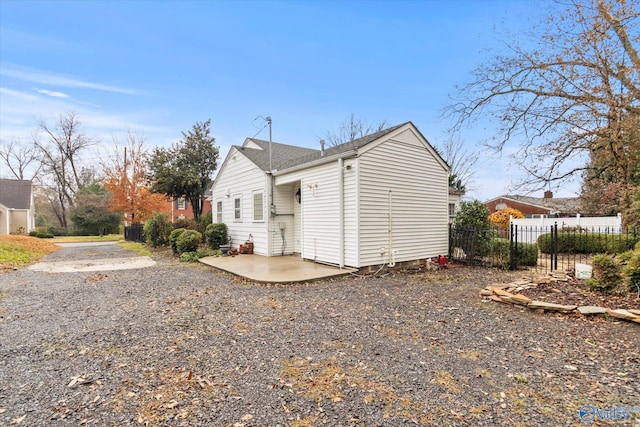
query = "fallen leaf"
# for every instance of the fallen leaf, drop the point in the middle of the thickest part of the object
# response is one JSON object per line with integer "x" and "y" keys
{"x": 18, "y": 420}
{"x": 171, "y": 404}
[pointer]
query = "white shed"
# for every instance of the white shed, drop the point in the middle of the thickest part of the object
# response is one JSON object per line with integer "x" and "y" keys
{"x": 380, "y": 199}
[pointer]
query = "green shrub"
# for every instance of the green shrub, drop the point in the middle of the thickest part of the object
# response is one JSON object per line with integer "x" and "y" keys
{"x": 188, "y": 241}
{"x": 41, "y": 234}
{"x": 156, "y": 230}
{"x": 588, "y": 243}
{"x": 216, "y": 235}
{"x": 631, "y": 270}
{"x": 58, "y": 231}
{"x": 526, "y": 253}
{"x": 188, "y": 224}
{"x": 194, "y": 256}
{"x": 606, "y": 274}
{"x": 204, "y": 221}
{"x": 189, "y": 257}
{"x": 473, "y": 230}
{"x": 173, "y": 238}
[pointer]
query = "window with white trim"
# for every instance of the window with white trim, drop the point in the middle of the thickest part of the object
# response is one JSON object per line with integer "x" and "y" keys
{"x": 237, "y": 208}
{"x": 181, "y": 204}
{"x": 258, "y": 206}
{"x": 219, "y": 211}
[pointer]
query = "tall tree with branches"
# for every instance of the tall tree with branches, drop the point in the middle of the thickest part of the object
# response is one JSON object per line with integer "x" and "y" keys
{"x": 126, "y": 178}
{"x": 59, "y": 150}
{"x": 186, "y": 169}
{"x": 565, "y": 98}
{"x": 20, "y": 160}
{"x": 462, "y": 162}
{"x": 352, "y": 128}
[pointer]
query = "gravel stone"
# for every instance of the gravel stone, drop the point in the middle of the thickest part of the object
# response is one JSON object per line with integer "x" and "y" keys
{"x": 182, "y": 344}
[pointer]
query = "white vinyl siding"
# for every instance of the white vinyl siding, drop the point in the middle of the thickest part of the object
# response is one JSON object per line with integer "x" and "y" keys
{"x": 320, "y": 214}
{"x": 238, "y": 175}
{"x": 319, "y": 211}
{"x": 258, "y": 206}
{"x": 351, "y": 235}
{"x": 419, "y": 202}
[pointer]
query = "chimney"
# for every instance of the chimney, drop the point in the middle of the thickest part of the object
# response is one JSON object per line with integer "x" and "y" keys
{"x": 548, "y": 194}
{"x": 322, "y": 147}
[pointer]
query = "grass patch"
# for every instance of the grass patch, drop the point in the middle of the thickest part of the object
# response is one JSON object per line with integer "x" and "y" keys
{"x": 80, "y": 239}
{"x": 139, "y": 248}
{"x": 19, "y": 251}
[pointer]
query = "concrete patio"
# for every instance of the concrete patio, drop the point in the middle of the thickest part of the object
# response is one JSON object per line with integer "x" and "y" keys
{"x": 278, "y": 269}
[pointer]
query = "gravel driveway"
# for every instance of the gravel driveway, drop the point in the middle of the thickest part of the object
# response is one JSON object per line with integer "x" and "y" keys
{"x": 181, "y": 344}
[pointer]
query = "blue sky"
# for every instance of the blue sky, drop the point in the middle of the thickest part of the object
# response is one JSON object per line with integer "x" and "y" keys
{"x": 159, "y": 67}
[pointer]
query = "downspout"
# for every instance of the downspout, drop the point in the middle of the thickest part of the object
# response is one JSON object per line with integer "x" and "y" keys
{"x": 392, "y": 252}
{"x": 341, "y": 209}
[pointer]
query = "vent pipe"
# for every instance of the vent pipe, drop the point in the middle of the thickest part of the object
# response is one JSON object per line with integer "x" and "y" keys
{"x": 322, "y": 147}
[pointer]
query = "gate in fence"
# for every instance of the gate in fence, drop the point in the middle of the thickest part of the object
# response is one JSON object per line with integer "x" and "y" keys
{"x": 544, "y": 248}
{"x": 134, "y": 233}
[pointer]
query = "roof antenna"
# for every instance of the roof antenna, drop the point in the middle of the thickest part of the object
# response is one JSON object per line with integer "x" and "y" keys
{"x": 268, "y": 119}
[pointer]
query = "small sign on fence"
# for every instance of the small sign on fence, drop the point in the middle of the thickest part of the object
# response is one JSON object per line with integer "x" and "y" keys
{"x": 583, "y": 271}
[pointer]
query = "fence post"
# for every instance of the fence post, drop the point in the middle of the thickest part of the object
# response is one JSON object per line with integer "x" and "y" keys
{"x": 450, "y": 254}
{"x": 554, "y": 238}
{"x": 511, "y": 246}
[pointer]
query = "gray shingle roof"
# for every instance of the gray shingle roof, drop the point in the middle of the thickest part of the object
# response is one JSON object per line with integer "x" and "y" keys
{"x": 563, "y": 205}
{"x": 284, "y": 156}
{"x": 280, "y": 153}
{"x": 339, "y": 149}
{"x": 15, "y": 193}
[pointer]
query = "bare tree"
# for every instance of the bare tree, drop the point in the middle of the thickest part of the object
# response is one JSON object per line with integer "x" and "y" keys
{"x": 59, "y": 151}
{"x": 462, "y": 162}
{"x": 352, "y": 128}
{"x": 569, "y": 95}
{"x": 19, "y": 159}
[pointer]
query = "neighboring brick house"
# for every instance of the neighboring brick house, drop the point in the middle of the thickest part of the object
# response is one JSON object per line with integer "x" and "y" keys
{"x": 537, "y": 207}
{"x": 180, "y": 208}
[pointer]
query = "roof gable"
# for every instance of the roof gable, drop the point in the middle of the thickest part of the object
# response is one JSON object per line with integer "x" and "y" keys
{"x": 15, "y": 193}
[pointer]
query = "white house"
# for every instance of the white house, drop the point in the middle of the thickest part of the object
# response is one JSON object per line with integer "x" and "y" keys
{"x": 380, "y": 199}
{"x": 17, "y": 213}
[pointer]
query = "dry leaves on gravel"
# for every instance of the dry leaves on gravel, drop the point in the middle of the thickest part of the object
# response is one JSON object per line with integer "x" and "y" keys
{"x": 18, "y": 251}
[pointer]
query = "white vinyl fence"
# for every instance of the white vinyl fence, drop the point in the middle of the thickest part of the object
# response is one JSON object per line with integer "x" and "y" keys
{"x": 529, "y": 229}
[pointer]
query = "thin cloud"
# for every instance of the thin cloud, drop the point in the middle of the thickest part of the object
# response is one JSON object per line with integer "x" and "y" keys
{"x": 52, "y": 93}
{"x": 49, "y": 79}
{"x": 17, "y": 94}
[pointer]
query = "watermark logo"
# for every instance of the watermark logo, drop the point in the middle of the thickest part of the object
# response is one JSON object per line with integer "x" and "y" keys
{"x": 590, "y": 413}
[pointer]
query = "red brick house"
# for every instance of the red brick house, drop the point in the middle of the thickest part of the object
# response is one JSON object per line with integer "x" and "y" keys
{"x": 536, "y": 207}
{"x": 181, "y": 209}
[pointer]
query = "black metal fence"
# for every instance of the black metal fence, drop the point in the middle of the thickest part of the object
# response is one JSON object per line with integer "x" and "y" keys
{"x": 540, "y": 248}
{"x": 134, "y": 233}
